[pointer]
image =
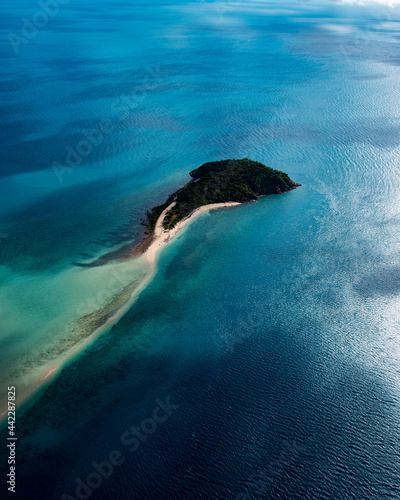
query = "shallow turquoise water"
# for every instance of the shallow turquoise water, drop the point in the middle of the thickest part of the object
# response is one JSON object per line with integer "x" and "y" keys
{"x": 273, "y": 325}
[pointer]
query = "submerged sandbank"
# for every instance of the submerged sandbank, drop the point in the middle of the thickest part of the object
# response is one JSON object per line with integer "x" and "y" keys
{"x": 148, "y": 249}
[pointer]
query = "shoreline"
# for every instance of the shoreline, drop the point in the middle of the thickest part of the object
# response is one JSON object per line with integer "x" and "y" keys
{"x": 149, "y": 249}
{"x": 50, "y": 372}
{"x": 151, "y": 245}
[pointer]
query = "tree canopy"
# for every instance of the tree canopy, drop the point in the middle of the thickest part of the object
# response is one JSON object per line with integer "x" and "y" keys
{"x": 220, "y": 182}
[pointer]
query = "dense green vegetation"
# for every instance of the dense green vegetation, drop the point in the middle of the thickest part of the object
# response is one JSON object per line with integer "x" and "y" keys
{"x": 218, "y": 182}
{"x": 153, "y": 215}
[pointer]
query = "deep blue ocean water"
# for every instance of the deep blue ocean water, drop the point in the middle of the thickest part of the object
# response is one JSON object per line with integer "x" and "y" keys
{"x": 273, "y": 327}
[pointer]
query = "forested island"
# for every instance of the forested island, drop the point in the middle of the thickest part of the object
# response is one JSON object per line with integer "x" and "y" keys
{"x": 220, "y": 182}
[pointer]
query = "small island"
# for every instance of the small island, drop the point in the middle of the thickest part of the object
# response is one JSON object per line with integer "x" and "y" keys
{"x": 213, "y": 185}
{"x": 222, "y": 181}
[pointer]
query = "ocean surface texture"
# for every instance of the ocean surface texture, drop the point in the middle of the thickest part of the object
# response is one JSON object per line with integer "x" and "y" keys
{"x": 260, "y": 359}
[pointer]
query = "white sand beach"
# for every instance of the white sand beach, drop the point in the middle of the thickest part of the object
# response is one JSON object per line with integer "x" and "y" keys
{"x": 161, "y": 236}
